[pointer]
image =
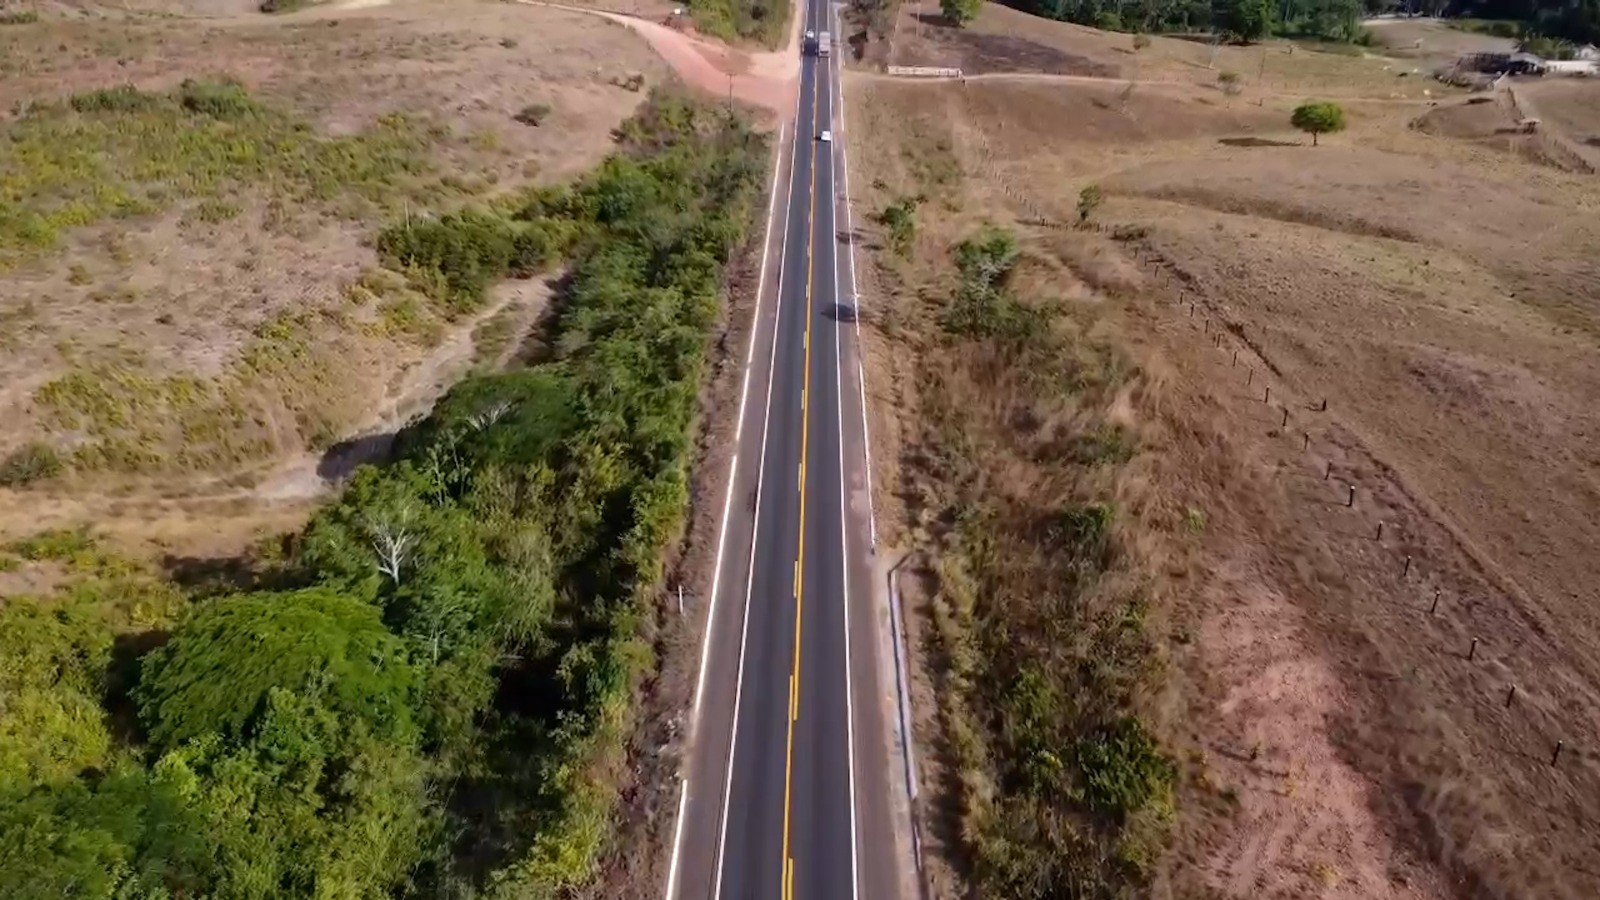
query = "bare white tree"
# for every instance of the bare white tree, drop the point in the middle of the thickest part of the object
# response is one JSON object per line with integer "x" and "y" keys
{"x": 393, "y": 546}
{"x": 393, "y": 541}
{"x": 486, "y": 417}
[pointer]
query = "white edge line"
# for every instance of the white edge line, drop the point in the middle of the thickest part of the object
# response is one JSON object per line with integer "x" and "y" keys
{"x": 855, "y": 307}
{"x": 727, "y": 506}
{"x": 844, "y": 524}
{"x": 677, "y": 839}
{"x": 761, "y": 471}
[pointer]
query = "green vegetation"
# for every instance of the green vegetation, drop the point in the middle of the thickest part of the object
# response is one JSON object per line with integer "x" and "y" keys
{"x": 1245, "y": 20}
{"x": 533, "y": 114}
{"x": 900, "y": 217}
{"x": 763, "y": 21}
{"x": 1572, "y": 22}
{"x": 1318, "y": 117}
{"x": 28, "y": 464}
{"x": 434, "y": 702}
{"x": 959, "y": 12}
{"x": 1089, "y": 200}
{"x": 1040, "y": 613}
{"x": 123, "y": 152}
{"x": 18, "y": 17}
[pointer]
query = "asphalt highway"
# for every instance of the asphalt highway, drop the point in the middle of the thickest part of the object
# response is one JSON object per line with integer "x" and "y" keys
{"x": 786, "y": 790}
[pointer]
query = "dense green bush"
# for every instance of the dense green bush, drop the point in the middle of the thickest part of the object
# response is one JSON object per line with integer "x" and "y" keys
{"x": 217, "y": 673}
{"x": 52, "y": 683}
{"x": 459, "y": 254}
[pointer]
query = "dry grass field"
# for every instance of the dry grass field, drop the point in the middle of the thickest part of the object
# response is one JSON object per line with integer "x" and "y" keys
{"x": 1435, "y": 284}
{"x": 193, "y": 311}
{"x": 1003, "y": 40}
{"x": 1431, "y": 41}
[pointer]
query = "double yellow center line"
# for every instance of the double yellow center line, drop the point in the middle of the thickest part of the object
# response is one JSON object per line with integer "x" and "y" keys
{"x": 787, "y": 889}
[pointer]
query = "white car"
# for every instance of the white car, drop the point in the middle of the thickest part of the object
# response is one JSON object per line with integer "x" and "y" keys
{"x": 826, "y": 137}
{"x": 810, "y": 42}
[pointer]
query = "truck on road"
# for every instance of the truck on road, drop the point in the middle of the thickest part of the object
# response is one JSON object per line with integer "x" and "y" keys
{"x": 824, "y": 42}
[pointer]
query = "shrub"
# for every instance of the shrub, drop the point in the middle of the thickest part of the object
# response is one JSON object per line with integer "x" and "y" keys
{"x": 463, "y": 252}
{"x": 1141, "y": 41}
{"x": 18, "y": 17}
{"x": 123, "y": 99}
{"x": 960, "y": 12}
{"x": 28, "y": 464}
{"x": 217, "y": 99}
{"x": 533, "y": 114}
{"x": 1123, "y": 769}
{"x": 900, "y": 217}
{"x": 1230, "y": 83}
{"x": 1089, "y": 200}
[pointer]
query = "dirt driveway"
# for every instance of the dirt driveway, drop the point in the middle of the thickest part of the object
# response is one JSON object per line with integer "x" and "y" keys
{"x": 767, "y": 79}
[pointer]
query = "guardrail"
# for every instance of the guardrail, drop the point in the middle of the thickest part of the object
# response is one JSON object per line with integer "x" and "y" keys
{"x": 925, "y": 71}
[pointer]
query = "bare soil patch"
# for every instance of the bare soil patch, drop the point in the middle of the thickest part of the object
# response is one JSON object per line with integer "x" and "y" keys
{"x": 1494, "y": 121}
{"x": 1439, "y": 294}
{"x": 975, "y": 52}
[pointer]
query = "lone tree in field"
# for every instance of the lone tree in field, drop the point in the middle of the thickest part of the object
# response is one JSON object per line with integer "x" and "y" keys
{"x": 1088, "y": 201}
{"x": 960, "y": 12}
{"x": 1317, "y": 118}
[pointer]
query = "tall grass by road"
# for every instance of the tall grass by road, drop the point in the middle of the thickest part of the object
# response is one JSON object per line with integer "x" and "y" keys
{"x": 1040, "y": 615}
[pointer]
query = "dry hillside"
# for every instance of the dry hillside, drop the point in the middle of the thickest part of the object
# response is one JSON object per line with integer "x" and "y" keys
{"x": 194, "y": 312}
{"x": 1004, "y": 40}
{"x": 1337, "y": 734}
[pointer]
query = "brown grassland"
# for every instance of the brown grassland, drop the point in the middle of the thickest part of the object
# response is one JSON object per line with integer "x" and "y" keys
{"x": 1004, "y": 40}
{"x": 203, "y": 315}
{"x": 1428, "y": 276}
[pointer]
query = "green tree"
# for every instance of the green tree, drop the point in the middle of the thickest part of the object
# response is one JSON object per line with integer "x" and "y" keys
{"x": 960, "y": 12}
{"x": 216, "y": 673}
{"x": 1318, "y": 117}
{"x": 1247, "y": 20}
{"x": 128, "y": 834}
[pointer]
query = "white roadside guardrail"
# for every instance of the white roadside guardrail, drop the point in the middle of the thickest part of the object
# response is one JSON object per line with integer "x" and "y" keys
{"x": 925, "y": 71}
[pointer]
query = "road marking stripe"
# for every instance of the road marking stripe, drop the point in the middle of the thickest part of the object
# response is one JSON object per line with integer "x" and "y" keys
{"x": 844, "y": 530}
{"x": 755, "y": 528}
{"x": 799, "y": 605}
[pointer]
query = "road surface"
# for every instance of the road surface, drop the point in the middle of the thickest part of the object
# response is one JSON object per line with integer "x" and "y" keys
{"x": 787, "y": 786}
